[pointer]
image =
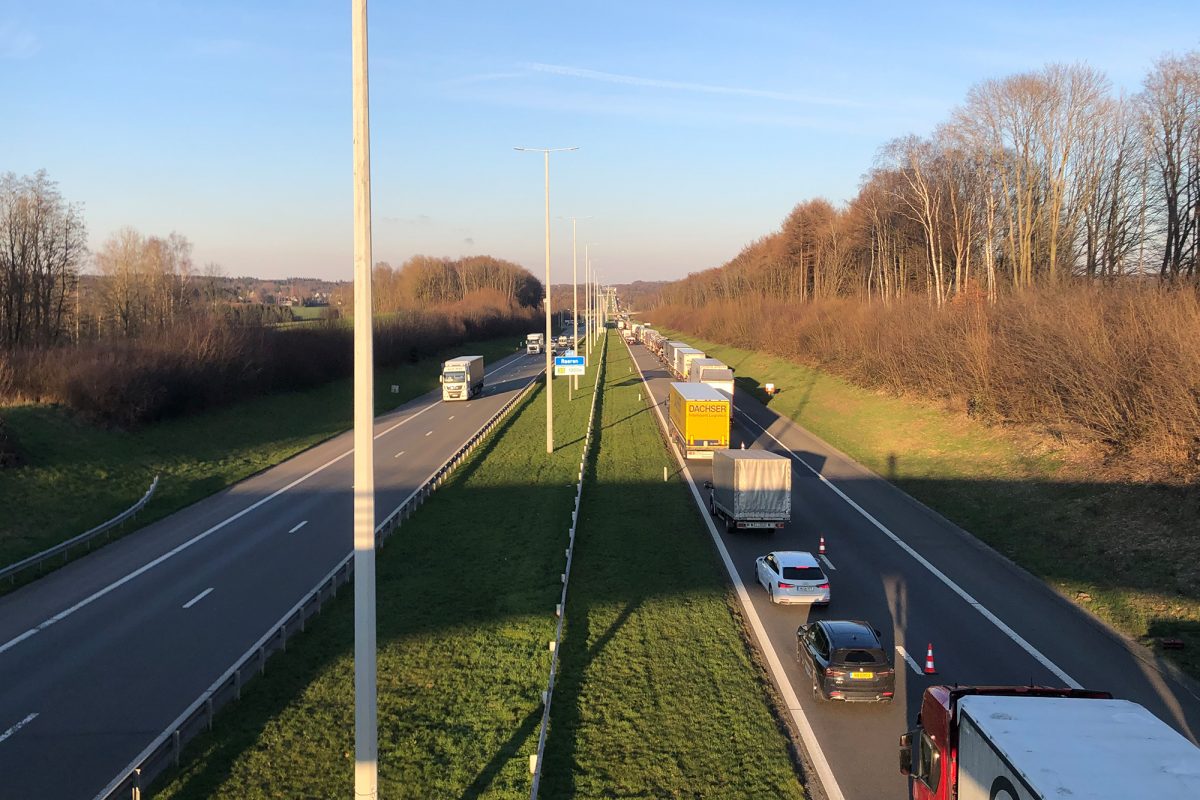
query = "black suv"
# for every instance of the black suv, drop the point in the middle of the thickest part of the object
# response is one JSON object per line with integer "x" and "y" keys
{"x": 846, "y": 661}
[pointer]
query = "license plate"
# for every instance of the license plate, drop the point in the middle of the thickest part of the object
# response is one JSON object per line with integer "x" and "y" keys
{"x": 862, "y": 675}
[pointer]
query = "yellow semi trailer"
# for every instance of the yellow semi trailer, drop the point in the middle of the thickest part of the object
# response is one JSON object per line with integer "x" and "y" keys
{"x": 699, "y": 419}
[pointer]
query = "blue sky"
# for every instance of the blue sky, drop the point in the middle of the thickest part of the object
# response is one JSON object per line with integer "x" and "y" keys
{"x": 700, "y": 124}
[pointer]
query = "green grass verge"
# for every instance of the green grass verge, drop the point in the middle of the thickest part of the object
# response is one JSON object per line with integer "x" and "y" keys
{"x": 657, "y": 696}
{"x": 1126, "y": 551}
{"x": 466, "y": 596}
{"x": 79, "y": 475}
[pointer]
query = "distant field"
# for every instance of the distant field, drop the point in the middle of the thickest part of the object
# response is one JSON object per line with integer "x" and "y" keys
{"x": 79, "y": 475}
{"x": 308, "y": 312}
{"x": 1128, "y": 552}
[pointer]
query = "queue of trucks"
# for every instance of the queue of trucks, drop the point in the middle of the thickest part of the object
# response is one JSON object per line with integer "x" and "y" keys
{"x": 971, "y": 742}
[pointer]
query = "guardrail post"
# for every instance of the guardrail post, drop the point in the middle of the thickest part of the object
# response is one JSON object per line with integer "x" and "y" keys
{"x": 237, "y": 684}
{"x": 208, "y": 710}
{"x": 136, "y": 789}
{"x": 175, "y": 746}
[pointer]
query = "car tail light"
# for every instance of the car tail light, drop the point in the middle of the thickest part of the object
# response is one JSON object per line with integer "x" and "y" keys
{"x": 888, "y": 694}
{"x": 785, "y": 586}
{"x": 824, "y": 585}
{"x": 835, "y": 673}
{"x": 778, "y": 524}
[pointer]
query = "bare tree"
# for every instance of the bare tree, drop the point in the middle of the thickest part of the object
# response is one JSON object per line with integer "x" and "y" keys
{"x": 43, "y": 242}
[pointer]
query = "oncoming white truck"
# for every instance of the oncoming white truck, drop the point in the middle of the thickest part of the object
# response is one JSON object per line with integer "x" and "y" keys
{"x": 535, "y": 344}
{"x": 462, "y": 378}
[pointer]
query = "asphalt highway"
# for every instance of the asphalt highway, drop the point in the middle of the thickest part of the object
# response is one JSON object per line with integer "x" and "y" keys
{"x": 920, "y": 580}
{"x": 99, "y": 657}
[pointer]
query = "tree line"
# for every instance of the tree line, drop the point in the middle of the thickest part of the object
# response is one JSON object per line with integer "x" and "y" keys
{"x": 1036, "y": 179}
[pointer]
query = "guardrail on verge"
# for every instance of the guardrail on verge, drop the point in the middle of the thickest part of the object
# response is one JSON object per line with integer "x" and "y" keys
{"x": 535, "y": 760}
{"x": 36, "y": 560}
{"x": 167, "y": 747}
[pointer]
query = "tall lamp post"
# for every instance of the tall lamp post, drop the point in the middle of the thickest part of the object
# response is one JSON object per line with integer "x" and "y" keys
{"x": 546, "y": 151}
{"x": 589, "y": 292}
{"x": 575, "y": 291}
{"x": 366, "y": 749}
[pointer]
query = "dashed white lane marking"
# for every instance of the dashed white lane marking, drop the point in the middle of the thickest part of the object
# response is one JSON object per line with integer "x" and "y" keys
{"x": 429, "y": 433}
{"x": 149, "y": 565}
{"x": 1040, "y": 657}
{"x": 398, "y": 454}
{"x": 18, "y": 726}
{"x": 450, "y": 418}
{"x": 198, "y": 598}
{"x": 828, "y": 563}
{"x": 299, "y": 526}
{"x": 915, "y": 666}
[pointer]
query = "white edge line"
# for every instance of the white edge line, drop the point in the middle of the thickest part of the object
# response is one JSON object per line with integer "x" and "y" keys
{"x": 824, "y": 772}
{"x": 915, "y": 666}
{"x": 11, "y": 643}
{"x": 302, "y": 523}
{"x": 198, "y": 598}
{"x": 937, "y": 573}
{"x": 30, "y": 718}
{"x": 828, "y": 563}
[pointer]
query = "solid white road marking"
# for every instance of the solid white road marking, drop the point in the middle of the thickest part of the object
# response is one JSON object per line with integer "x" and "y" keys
{"x": 197, "y": 598}
{"x": 832, "y": 790}
{"x": 915, "y": 666}
{"x": 298, "y": 527}
{"x": 18, "y": 726}
{"x": 937, "y": 573}
{"x": 94, "y": 596}
{"x": 828, "y": 563}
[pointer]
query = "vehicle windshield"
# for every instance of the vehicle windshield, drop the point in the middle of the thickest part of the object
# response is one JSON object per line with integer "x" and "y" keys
{"x": 455, "y": 377}
{"x": 804, "y": 573}
{"x": 856, "y": 657}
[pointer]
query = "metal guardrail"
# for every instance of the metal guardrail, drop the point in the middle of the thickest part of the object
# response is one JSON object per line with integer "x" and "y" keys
{"x": 36, "y": 560}
{"x": 535, "y": 760}
{"x": 198, "y": 717}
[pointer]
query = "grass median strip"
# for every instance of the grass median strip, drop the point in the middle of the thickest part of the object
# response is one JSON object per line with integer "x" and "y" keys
{"x": 466, "y": 596}
{"x": 1125, "y": 550}
{"x": 657, "y": 696}
{"x": 79, "y": 475}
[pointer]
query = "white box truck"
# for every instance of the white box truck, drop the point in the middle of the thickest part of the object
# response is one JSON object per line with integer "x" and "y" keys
{"x": 462, "y": 378}
{"x": 535, "y": 344}
{"x": 684, "y": 356}
{"x": 668, "y": 352}
{"x": 1041, "y": 743}
{"x": 751, "y": 489}
{"x": 713, "y": 372}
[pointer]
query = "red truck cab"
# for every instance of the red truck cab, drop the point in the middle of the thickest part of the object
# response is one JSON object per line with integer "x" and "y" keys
{"x": 929, "y": 753}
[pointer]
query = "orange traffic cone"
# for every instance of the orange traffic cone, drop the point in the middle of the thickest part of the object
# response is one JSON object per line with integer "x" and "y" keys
{"x": 929, "y": 668}
{"x": 821, "y": 547}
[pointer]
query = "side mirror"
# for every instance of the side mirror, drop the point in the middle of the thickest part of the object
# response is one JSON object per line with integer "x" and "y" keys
{"x": 708, "y": 485}
{"x": 441, "y": 378}
{"x": 906, "y": 759}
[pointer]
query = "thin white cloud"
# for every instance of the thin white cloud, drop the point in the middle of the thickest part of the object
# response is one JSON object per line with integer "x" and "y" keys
{"x": 16, "y": 42}
{"x": 684, "y": 86}
{"x": 486, "y": 77}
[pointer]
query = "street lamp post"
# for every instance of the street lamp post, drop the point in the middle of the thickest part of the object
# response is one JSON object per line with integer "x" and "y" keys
{"x": 546, "y": 151}
{"x": 589, "y": 294}
{"x": 366, "y": 746}
{"x": 575, "y": 291}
